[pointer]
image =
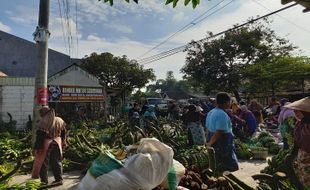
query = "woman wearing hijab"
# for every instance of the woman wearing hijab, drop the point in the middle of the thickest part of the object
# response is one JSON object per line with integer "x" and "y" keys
{"x": 50, "y": 141}
{"x": 250, "y": 125}
{"x": 192, "y": 119}
{"x": 301, "y": 149}
{"x": 256, "y": 108}
{"x": 150, "y": 118}
{"x": 286, "y": 122}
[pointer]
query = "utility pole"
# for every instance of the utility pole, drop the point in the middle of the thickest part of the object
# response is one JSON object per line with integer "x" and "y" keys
{"x": 41, "y": 36}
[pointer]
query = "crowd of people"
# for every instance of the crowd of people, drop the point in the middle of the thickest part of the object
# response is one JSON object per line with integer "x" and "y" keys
{"x": 214, "y": 123}
{"x": 218, "y": 121}
{"x": 245, "y": 119}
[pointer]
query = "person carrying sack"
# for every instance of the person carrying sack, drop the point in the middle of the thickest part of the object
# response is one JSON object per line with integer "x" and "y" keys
{"x": 50, "y": 141}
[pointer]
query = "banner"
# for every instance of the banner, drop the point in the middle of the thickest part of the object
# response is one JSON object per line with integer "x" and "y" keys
{"x": 75, "y": 94}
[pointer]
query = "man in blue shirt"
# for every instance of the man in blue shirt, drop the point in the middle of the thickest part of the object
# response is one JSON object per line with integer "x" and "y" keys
{"x": 220, "y": 135}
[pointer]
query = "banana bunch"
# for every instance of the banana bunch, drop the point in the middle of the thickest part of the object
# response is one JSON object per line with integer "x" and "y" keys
{"x": 198, "y": 157}
{"x": 119, "y": 154}
{"x": 32, "y": 185}
{"x": 277, "y": 163}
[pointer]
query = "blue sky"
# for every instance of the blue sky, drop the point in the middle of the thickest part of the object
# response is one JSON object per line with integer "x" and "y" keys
{"x": 132, "y": 30}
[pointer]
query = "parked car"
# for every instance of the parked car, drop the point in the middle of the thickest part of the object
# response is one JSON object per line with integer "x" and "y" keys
{"x": 161, "y": 104}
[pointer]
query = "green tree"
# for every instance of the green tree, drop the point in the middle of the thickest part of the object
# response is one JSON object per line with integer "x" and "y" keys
{"x": 277, "y": 74}
{"x": 163, "y": 85}
{"x": 170, "y": 84}
{"x": 174, "y": 2}
{"x": 118, "y": 72}
{"x": 215, "y": 65}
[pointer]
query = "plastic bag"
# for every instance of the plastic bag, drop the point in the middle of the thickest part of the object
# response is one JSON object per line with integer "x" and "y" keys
{"x": 174, "y": 176}
{"x": 144, "y": 170}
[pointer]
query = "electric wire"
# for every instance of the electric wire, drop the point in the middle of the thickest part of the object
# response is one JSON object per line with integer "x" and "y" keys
{"x": 186, "y": 27}
{"x": 76, "y": 29}
{"x": 181, "y": 48}
{"x": 284, "y": 18}
{"x": 66, "y": 25}
{"x": 66, "y": 6}
{"x": 69, "y": 26}
{"x": 62, "y": 25}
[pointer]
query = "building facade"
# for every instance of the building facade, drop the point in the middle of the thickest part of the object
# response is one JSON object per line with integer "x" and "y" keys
{"x": 70, "y": 91}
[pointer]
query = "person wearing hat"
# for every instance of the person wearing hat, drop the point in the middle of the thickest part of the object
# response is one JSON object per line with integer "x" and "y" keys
{"x": 287, "y": 122}
{"x": 50, "y": 140}
{"x": 301, "y": 149}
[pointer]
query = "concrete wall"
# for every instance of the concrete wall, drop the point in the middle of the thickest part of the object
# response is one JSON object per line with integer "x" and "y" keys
{"x": 18, "y": 101}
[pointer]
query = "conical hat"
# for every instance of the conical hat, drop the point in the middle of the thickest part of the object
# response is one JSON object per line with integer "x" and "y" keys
{"x": 301, "y": 105}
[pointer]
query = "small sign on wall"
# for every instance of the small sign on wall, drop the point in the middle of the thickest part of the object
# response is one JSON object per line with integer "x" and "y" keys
{"x": 75, "y": 94}
{"x": 42, "y": 96}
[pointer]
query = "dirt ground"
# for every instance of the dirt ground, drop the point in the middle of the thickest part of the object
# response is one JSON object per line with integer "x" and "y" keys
{"x": 71, "y": 179}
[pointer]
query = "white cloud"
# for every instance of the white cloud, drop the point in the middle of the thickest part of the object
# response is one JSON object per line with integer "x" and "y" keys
{"x": 59, "y": 27}
{"x": 220, "y": 21}
{"x": 226, "y": 19}
{"x": 24, "y": 15}
{"x": 119, "y": 28}
{"x": 178, "y": 17}
{"x": 94, "y": 38}
{"x": 4, "y": 27}
{"x": 94, "y": 12}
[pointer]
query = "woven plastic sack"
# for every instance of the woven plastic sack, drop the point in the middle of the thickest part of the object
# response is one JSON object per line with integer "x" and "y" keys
{"x": 174, "y": 176}
{"x": 144, "y": 170}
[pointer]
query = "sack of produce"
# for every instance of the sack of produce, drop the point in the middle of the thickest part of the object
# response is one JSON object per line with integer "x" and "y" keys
{"x": 174, "y": 176}
{"x": 144, "y": 170}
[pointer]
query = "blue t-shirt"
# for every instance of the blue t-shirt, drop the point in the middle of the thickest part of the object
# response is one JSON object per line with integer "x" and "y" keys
{"x": 218, "y": 119}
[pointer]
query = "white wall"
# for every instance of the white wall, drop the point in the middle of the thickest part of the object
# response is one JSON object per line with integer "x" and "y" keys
{"x": 73, "y": 78}
{"x": 18, "y": 101}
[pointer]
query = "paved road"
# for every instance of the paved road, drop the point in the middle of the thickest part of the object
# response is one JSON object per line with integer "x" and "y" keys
{"x": 249, "y": 168}
{"x": 71, "y": 179}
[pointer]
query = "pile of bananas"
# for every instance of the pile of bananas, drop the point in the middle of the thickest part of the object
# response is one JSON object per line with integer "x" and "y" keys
{"x": 277, "y": 163}
{"x": 30, "y": 185}
{"x": 198, "y": 158}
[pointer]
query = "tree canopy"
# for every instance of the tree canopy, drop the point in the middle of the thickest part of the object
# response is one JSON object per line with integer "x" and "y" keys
{"x": 174, "y": 2}
{"x": 118, "y": 72}
{"x": 278, "y": 73}
{"x": 215, "y": 65}
{"x": 169, "y": 83}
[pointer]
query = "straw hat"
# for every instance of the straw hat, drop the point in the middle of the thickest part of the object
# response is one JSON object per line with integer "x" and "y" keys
{"x": 301, "y": 105}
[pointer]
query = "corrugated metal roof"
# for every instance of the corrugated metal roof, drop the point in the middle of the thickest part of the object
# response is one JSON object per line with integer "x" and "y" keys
{"x": 17, "y": 81}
